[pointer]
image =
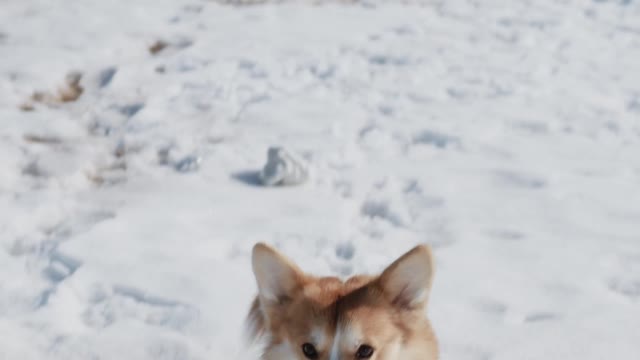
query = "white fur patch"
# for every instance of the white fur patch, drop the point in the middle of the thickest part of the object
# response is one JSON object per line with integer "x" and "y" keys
{"x": 319, "y": 337}
{"x": 254, "y": 347}
{"x": 283, "y": 351}
{"x": 335, "y": 347}
{"x": 347, "y": 337}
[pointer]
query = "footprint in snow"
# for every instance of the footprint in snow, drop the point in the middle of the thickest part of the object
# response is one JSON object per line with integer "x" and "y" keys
{"x": 627, "y": 286}
{"x": 541, "y": 316}
{"x": 437, "y": 139}
{"x": 123, "y": 303}
{"x": 519, "y": 179}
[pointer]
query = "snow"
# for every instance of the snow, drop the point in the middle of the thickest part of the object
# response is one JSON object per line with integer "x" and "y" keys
{"x": 506, "y": 135}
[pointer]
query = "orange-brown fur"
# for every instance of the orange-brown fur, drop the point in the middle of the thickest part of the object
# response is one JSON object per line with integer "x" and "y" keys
{"x": 326, "y": 304}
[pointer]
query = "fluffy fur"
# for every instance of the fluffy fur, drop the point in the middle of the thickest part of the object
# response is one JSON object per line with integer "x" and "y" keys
{"x": 386, "y": 312}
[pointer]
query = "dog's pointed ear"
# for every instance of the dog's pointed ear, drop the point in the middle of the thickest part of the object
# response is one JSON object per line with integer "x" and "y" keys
{"x": 407, "y": 281}
{"x": 278, "y": 278}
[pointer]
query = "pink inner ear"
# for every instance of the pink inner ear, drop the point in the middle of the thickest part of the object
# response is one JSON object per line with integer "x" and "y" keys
{"x": 277, "y": 277}
{"x": 408, "y": 280}
{"x": 401, "y": 299}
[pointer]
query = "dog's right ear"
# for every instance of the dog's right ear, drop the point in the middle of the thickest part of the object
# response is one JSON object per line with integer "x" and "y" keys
{"x": 277, "y": 277}
{"x": 407, "y": 281}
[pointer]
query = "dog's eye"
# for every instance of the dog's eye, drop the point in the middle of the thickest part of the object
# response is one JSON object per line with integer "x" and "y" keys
{"x": 309, "y": 351}
{"x": 364, "y": 352}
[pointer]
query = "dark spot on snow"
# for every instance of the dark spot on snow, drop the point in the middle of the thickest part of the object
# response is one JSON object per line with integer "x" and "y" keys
{"x": 505, "y": 22}
{"x": 99, "y": 128}
{"x": 120, "y": 149}
{"x": 368, "y": 5}
{"x": 403, "y": 30}
{"x": 26, "y": 107}
{"x": 157, "y": 47}
{"x": 246, "y": 64}
{"x": 504, "y": 234}
{"x": 161, "y": 46}
{"x": 456, "y": 93}
{"x": 343, "y": 188}
{"x": 183, "y": 43}
{"x": 323, "y": 72}
{"x": 34, "y": 169}
{"x": 437, "y": 139}
{"x": 367, "y": 129}
{"x": 628, "y": 29}
{"x": 189, "y": 163}
{"x": 248, "y": 177}
{"x": 521, "y": 180}
{"x": 619, "y": 2}
{"x": 254, "y": 70}
{"x": 386, "y": 110}
{"x": 629, "y": 288}
{"x": 590, "y": 13}
{"x": 106, "y": 76}
{"x": 532, "y": 127}
{"x": 634, "y": 105}
{"x": 42, "y": 139}
{"x": 54, "y": 274}
{"x": 388, "y": 60}
{"x": 43, "y": 298}
{"x": 540, "y": 316}
{"x": 382, "y": 210}
{"x": 345, "y": 251}
{"x": 131, "y": 109}
{"x": 418, "y": 200}
{"x": 164, "y": 155}
{"x": 612, "y": 126}
{"x": 413, "y": 186}
{"x": 70, "y": 263}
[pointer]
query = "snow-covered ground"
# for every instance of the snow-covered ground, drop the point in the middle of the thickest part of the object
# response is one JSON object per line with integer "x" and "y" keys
{"x": 504, "y": 133}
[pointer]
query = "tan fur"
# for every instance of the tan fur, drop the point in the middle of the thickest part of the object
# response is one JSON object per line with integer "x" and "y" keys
{"x": 386, "y": 312}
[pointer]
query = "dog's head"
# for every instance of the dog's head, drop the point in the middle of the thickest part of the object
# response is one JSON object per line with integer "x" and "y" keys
{"x": 366, "y": 317}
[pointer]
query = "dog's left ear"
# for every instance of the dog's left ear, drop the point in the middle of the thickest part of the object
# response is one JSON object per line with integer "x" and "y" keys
{"x": 406, "y": 283}
{"x": 278, "y": 278}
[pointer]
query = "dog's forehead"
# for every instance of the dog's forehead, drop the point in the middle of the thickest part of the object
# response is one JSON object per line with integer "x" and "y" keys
{"x": 326, "y": 291}
{"x": 323, "y": 292}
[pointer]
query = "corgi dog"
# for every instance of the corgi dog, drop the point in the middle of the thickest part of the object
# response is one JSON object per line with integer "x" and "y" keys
{"x": 303, "y": 317}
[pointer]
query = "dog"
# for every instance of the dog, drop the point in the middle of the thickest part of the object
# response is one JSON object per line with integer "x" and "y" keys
{"x": 299, "y": 316}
